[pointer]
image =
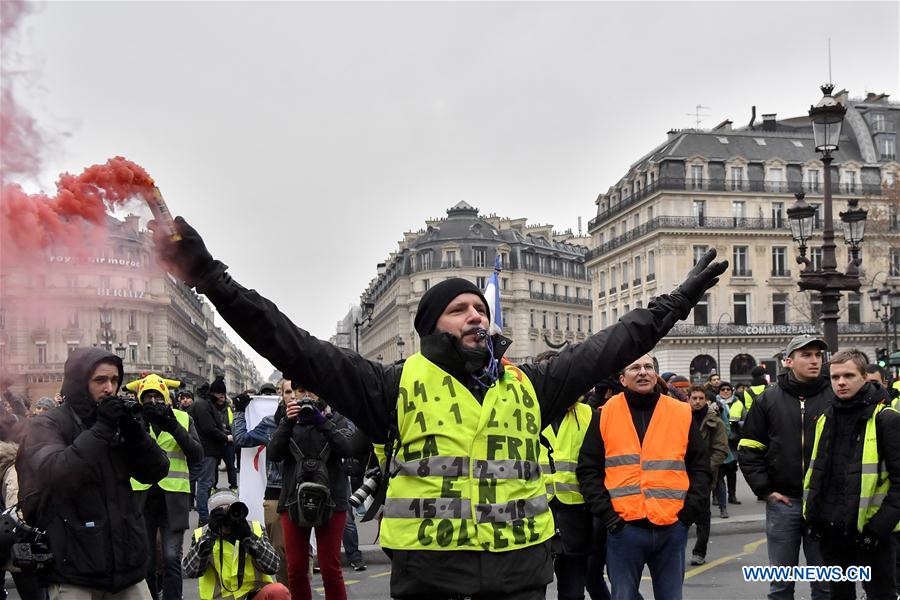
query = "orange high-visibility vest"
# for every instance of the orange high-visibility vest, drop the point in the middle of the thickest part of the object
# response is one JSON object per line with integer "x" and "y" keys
{"x": 649, "y": 481}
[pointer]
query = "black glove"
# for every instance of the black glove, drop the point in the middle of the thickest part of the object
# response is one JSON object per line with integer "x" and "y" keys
{"x": 187, "y": 258}
{"x": 242, "y": 530}
{"x": 163, "y": 417}
{"x": 703, "y": 276}
{"x": 133, "y": 429}
{"x": 240, "y": 402}
{"x": 867, "y": 540}
{"x": 109, "y": 412}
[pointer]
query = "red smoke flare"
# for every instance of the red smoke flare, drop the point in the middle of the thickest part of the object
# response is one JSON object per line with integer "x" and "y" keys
{"x": 32, "y": 223}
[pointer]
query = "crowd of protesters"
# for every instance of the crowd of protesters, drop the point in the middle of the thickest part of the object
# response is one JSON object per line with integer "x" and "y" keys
{"x": 590, "y": 461}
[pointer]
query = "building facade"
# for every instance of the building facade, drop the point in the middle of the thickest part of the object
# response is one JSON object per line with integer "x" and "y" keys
{"x": 729, "y": 189}
{"x": 111, "y": 295}
{"x": 544, "y": 287}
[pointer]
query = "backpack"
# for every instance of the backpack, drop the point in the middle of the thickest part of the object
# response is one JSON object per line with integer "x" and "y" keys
{"x": 310, "y": 503}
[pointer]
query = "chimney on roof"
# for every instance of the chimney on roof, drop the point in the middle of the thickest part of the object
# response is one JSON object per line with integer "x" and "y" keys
{"x": 871, "y": 96}
{"x": 723, "y": 126}
{"x": 132, "y": 223}
{"x": 380, "y": 268}
{"x": 752, "y": 117}
{"x": 769, "y": 122}
{"x": 672, "y": 133}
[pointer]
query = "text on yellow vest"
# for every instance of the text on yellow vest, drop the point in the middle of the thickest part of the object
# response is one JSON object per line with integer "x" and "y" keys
{"x": 467, "y": 473}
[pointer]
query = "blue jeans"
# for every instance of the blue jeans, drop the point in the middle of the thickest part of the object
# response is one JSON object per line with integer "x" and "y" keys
{"x": 660, "y": 548}
{"x": 205, "y": 483}
{"x": 351, "y": 539}
{"x": 785, "y": 531}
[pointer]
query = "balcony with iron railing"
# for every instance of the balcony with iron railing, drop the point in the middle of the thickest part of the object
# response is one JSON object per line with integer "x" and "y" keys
{"x": 690, "y": 184}
{"x": 779, "y": 224}
{"x": 559, "y": 298}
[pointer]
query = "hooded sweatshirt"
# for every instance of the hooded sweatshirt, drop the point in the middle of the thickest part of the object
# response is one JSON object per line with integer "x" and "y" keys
{"x": 75, "y": 484}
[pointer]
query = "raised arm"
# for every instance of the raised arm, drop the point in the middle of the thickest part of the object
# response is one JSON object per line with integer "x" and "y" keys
{"x": 561, "y": 381}
{"x": 362, "y": 390}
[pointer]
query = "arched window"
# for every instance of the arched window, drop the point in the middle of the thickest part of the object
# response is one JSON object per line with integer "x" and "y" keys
{"x": 741, "y": 365}
{"x": 701, "y": 366}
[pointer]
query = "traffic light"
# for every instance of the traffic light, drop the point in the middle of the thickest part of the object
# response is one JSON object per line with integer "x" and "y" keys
{"x": 881, "y": 357}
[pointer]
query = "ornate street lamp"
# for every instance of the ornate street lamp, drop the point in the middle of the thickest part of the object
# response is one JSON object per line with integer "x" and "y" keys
{"x": 827, "y": 117}
{"x": 368, "y": 311}
{"x": 106, "y": 326}
{"x": 400, "y": 345}
{"x": 886, "y": 305}
{"x": 853, "y": 222}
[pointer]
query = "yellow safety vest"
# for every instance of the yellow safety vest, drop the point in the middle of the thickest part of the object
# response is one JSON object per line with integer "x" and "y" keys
{"x": 566, "y": 444}
{"x": 220, "y": 580}
{"x": 178, "y": 479}
{"x": 875, "y": 482}
{"x": 466, "y": 475}
{"x": 230, "y": 417}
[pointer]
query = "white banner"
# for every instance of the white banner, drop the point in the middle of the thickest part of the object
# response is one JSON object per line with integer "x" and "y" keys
{"x": 253, "y": 460}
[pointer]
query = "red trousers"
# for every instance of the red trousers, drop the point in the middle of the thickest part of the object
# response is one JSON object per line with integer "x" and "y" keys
{"x": 328, "y": 541}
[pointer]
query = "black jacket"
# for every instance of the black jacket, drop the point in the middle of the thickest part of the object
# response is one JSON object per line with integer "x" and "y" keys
{"x": 591, "y": 469}
{"x": 836, "y": 477}
{"x": 344, "y": 439}
{"x": 775, "y": 448}
{"x": 210, "y": 427}
{"x": 76, "y": 485}
{"x": 366, "y": 392}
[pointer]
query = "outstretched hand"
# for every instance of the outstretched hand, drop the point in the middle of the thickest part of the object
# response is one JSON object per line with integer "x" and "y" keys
{"x": 187, "y": 258}
{"x": 703, "y": 276}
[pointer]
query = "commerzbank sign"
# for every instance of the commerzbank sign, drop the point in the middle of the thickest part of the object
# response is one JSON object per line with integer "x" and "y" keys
{"x": 766, "y": 329}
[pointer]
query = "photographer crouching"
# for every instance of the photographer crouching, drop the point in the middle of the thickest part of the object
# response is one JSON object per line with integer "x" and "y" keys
{"x": 75, "y": 466}
{"x": 233, "y": 556}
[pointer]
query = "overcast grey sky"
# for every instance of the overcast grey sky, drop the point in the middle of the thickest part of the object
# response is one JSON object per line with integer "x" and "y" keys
{"x": 303, "y": 139}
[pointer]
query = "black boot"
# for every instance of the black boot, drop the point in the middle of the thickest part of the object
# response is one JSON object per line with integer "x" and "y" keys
{"x": 733, "y": 499}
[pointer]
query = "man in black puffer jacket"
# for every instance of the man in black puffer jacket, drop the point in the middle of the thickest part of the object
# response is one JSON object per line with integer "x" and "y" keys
{"x": 75, "y": 466}
{"x": 214, "y": 437}
{"x": 774, "y": 450}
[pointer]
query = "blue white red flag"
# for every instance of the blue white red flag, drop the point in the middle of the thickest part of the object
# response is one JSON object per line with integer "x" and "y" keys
{"x": 492, "y": 295}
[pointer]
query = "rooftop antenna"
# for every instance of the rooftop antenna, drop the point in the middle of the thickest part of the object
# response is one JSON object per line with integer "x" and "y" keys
{"x": 697, "y": 114}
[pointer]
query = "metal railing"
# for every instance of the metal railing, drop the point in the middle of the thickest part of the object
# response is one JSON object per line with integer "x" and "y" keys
{"x": 742, "y": 272}
{"x": 730, "y": 185}
{"x": 559, "y": 298}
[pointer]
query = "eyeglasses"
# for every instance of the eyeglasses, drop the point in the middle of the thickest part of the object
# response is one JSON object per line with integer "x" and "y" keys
{"x": 635, "y": 369}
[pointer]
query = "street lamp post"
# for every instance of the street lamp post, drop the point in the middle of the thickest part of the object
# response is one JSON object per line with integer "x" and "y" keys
{"x": 368, "y": 309}
{"x": 827, "y": 117}
{"x": 106, "y": 325}
{"x": 886, "y": 304}
{"x": 400, "y": 345}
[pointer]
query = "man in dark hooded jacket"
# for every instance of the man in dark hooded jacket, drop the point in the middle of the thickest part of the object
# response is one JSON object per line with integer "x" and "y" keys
{"x": 466, "y": 512}
{"x": 75, "y": 466}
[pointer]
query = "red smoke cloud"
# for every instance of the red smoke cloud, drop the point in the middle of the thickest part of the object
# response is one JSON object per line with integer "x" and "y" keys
{"x": 32, "y": 223}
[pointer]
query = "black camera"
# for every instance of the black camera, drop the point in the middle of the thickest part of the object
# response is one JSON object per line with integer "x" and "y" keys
{"x": 133, "y": 407}
{"x": 307, "y": 406}
{"x": 235, "y": 514}
{"x": 26, "y": 545}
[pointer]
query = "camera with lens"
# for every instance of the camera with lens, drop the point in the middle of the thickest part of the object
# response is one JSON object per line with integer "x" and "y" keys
{"x": 307, "y": 407}
{"x": 234, "y": 515}
{"x": 27, "y": 546}
{"x": 365, "y": 494}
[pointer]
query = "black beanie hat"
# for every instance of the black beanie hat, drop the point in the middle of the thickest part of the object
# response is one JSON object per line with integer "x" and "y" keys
{"x": 436, "y": 299}
{"x": 217, "y": 386}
